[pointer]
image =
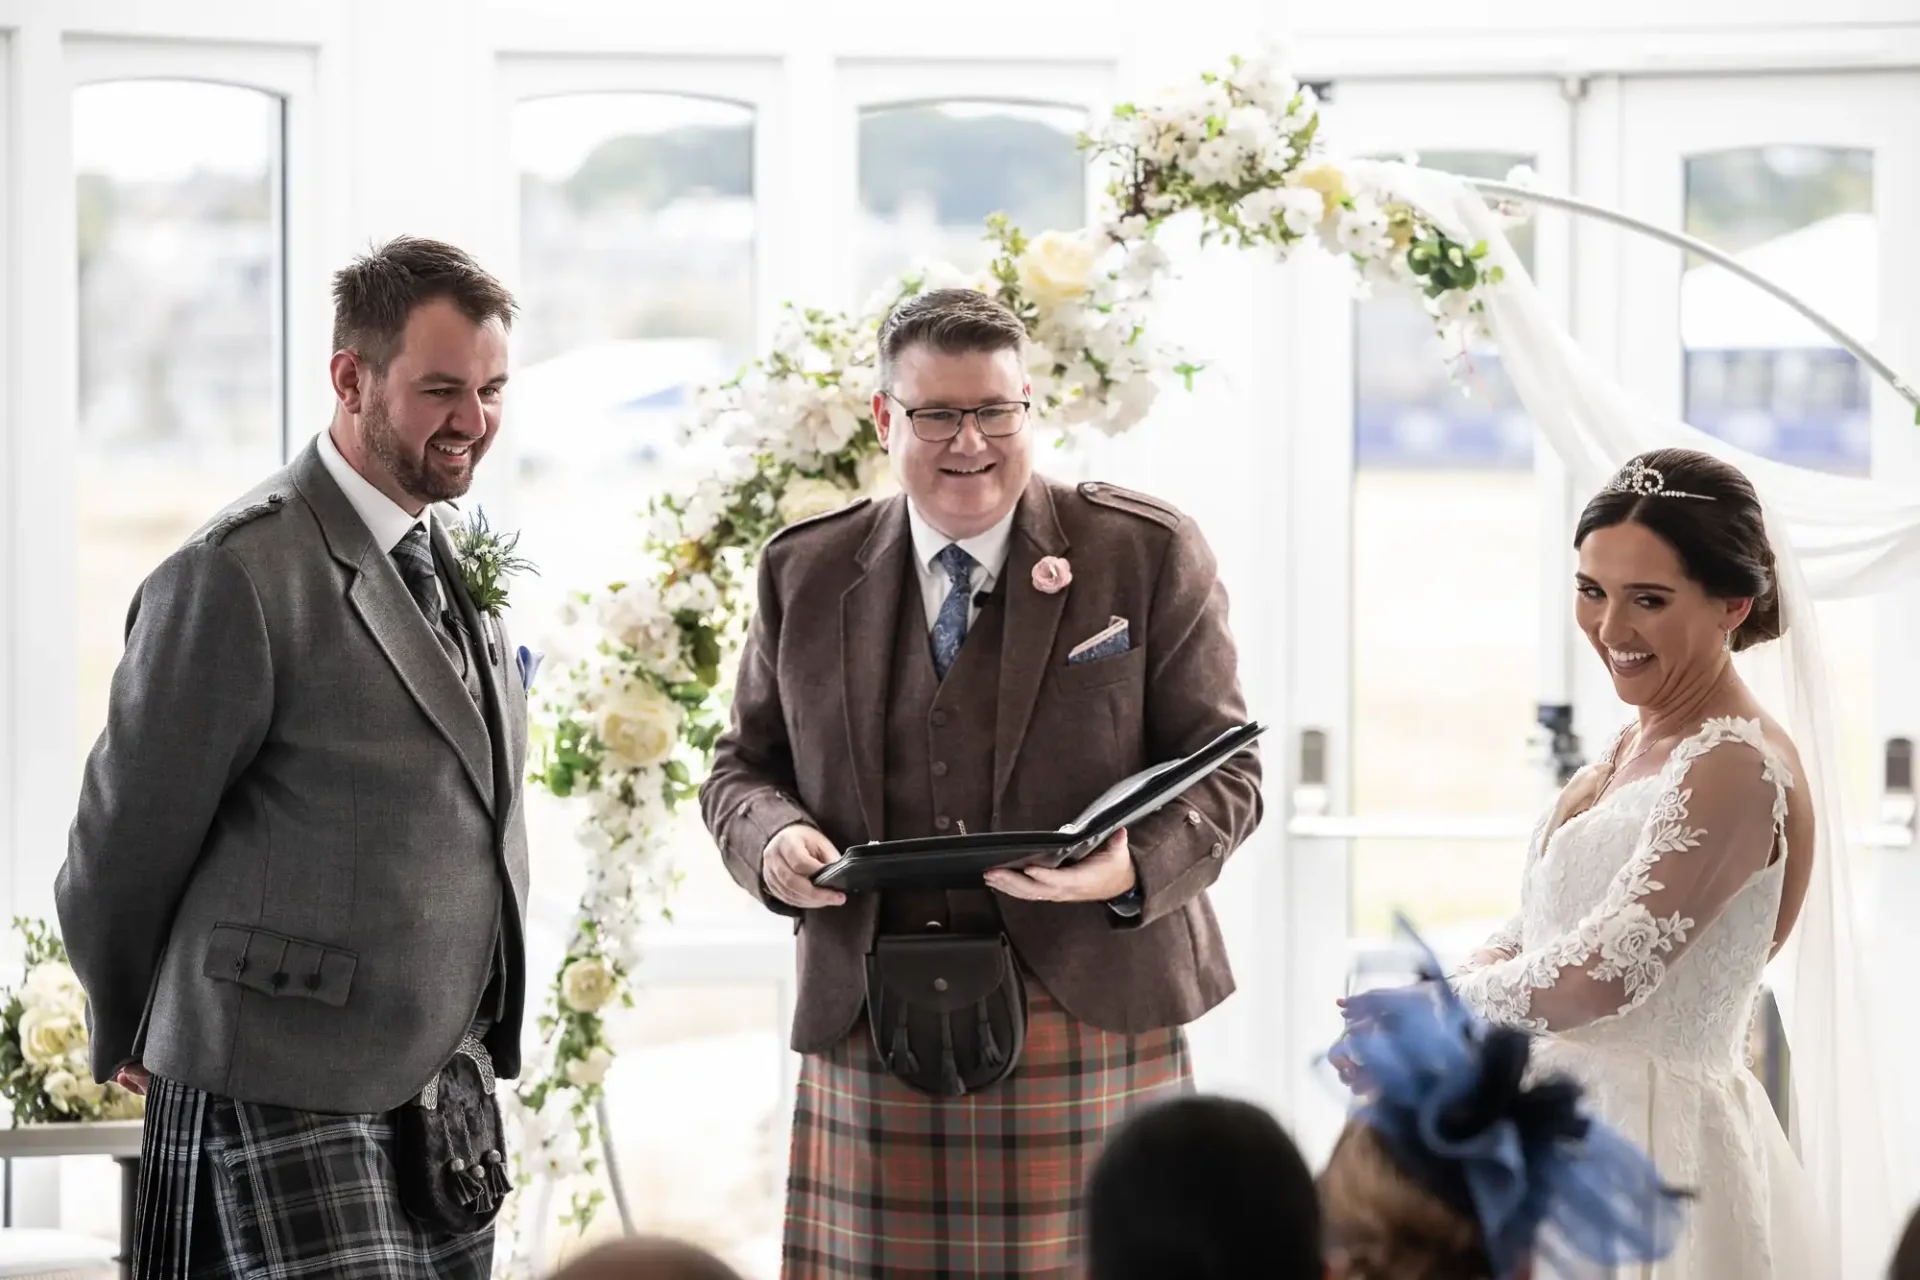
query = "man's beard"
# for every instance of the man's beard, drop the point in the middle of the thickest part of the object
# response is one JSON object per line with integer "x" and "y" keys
{"x": 413, "y": 475}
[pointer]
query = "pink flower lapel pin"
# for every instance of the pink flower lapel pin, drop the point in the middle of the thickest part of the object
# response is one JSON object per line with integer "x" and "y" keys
{"x": 1051, "y": 574}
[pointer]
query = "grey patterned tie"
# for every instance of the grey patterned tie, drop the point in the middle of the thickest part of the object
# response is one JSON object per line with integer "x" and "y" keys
{"x": 950, "y": 624}
{"x": 414, "y": 558}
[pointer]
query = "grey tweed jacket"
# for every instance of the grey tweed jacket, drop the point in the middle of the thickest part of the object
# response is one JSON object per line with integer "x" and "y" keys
{"x": 299, "y": 841}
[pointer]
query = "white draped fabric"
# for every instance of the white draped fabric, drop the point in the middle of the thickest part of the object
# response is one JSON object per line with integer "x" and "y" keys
{"x": 1833, "y": 536}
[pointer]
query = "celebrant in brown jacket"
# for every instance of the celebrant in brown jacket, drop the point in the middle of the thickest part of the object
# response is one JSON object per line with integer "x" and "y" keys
{"x": 987, "y": 651}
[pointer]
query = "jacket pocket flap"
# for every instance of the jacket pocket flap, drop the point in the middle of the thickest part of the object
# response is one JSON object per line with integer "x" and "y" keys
{"x": 276, "y": 965}
{"x": 938, "y": 974}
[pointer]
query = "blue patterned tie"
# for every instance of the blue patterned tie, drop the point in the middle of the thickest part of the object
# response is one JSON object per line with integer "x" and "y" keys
{"x": 950, "y": 624}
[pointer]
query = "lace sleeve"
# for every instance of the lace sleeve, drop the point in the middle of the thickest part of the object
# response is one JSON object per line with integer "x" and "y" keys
{"x": 1504, "y": 943}
{"x": 1714, "y": 824}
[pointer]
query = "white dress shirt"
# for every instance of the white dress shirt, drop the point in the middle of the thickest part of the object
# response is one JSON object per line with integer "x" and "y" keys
{"x": 385, "y": 519}
{"x": 988, "y": 549}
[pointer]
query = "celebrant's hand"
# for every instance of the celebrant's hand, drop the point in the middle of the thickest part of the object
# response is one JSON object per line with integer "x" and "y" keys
{"x": 789, "y": 861}
{"x": 1104, "y": 874}
{"x": 133, "y": 1078}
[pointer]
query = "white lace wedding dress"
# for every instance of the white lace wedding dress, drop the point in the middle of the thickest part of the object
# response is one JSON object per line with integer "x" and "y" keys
{"x": 1646, "y": 921}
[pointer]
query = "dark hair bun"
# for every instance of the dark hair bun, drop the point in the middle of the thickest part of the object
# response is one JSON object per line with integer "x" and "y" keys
{"x": 1718, "y": 531}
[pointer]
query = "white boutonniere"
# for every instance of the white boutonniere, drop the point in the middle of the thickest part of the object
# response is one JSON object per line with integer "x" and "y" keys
{"x": 486, "y": 560}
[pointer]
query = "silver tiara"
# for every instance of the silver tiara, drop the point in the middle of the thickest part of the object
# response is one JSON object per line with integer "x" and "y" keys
{"x": 1638, "y": 477}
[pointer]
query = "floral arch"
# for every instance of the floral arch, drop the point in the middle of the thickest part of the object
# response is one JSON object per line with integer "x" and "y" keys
{"x": 631, "y": 729}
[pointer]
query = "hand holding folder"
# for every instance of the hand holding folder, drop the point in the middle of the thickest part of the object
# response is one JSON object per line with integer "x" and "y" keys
{"x": 959, "y": 861}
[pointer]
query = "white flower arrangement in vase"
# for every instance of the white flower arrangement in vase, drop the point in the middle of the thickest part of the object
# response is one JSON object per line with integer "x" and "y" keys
{"x": 44, "y": 1069}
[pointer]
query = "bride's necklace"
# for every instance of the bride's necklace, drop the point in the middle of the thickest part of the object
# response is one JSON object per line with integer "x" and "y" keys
{"x": 1621, "y": 766}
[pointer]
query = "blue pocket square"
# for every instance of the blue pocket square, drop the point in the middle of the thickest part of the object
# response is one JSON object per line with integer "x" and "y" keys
{"x": 1108, "y": 643}
{"x": 529, "y": 663}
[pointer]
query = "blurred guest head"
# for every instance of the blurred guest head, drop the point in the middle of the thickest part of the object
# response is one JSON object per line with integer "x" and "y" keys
{"x": 1203, "y": 1188}
{"x": 647, "y": 1258}
{"x": 1906, "y": 1259}
{"x": 1461, "y": 1164}
{"x": 1381, "y": 1225}
{"x": 419, "y": 365}
{"x": 952, "y": 408}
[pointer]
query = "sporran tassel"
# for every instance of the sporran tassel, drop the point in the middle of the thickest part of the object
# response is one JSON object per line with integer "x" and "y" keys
{"x": 990, "y": 1056}
{"x": 900, "y": 1057}
{"x": 950, "y": 1081}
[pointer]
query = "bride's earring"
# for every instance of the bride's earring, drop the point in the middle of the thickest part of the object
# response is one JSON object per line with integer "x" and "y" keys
{"x": 1726, "y": 640}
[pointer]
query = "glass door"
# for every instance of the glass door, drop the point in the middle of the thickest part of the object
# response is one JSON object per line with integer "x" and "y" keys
{"x": 1814, "y": 182}
{"x": 1428, "y": 621}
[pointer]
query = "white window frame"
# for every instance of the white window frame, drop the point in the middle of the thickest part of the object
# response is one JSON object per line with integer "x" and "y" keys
{"x": 684, "y": 953}
{"x": 49, "y": 64}
{"x": 1525, "y": 117}
{"x": 1658, "y": 126}
{"x": 877, "y": 83}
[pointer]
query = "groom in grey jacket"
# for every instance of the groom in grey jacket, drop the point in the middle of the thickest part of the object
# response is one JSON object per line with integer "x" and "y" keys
{"x": 297, "y": 879}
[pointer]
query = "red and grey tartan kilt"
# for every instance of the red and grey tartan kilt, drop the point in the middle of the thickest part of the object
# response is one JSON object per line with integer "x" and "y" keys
{"x": 888, "y": 1182}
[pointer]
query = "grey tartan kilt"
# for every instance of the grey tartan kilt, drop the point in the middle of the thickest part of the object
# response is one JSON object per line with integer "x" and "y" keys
{"x": 239, "y": 1191}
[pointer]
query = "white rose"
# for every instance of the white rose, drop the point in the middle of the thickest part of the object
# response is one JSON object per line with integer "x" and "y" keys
{"x": 1219, "y": 161}
{"x": 1363, "y": 230}
{"x": 830, "y": 419}
{"x": 1145, "y": 261}
{"x": 1080, "y": 373}
{"x": 70, "y": 1093}
{"x": 61, "y": 1087}
{"x": 1128, "y": 403}
{"x": 1058, "y": 267}
{"x": 692, "y": 594}
{"x": 587, "y": 985}
{"x": 875, "y": 474}
{"x": 47, "y": 1036}
{"x": 590, "y": 1070}
{"x": 639, "y": 725}
{"x": 809, "y": 496}
{"x": 1250, "y": 128}
{"x": 53, "y": 986}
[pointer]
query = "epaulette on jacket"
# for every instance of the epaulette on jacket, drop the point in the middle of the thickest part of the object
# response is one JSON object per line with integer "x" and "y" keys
{"x": 1132, "y": 502}
{"x": 217, "y": 531}
{"x": 823, "y": 518}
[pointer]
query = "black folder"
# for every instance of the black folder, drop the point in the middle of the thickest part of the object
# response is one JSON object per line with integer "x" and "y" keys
{"x": 959, "y": 861}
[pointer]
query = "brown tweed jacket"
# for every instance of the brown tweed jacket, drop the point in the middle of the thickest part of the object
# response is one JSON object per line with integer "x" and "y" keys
{"x": 807, "y": 736}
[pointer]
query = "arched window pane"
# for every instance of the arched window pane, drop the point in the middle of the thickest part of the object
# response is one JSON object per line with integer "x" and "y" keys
{"x": 1758, "y": 374}
{"x": 1762, "y": 377}
{"x": 1445, "y": 579}
{"x": 180, "y": 259}
{"x": 930, "y": 174}
{"x": 636, "y": 286}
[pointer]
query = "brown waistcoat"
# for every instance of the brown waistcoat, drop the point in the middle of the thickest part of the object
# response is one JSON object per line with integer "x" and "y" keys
{"x": 939, "y": 778}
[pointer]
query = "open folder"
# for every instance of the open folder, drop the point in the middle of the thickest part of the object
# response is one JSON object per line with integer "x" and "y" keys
{"x": 942, "y": 862}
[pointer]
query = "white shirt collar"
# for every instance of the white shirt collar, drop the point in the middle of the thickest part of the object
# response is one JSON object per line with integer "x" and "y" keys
{"x": 385, "y": 519}
{"x": 988, "y": 548}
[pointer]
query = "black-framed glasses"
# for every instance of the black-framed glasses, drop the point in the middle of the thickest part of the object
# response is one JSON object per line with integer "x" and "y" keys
{"x": 939, "y": 424}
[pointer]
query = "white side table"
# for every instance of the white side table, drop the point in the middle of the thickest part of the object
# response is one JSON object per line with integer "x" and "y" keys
{"x": 117, "y": 1138}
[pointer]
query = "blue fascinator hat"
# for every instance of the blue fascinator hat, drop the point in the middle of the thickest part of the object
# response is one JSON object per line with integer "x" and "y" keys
{"x": 1449, "y": 1097}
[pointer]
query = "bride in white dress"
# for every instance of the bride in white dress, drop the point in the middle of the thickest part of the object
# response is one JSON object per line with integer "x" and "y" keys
{"x": 1668, "y": 873}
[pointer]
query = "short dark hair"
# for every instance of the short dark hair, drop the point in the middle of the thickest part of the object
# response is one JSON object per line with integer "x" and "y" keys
{"x": 1207, "y": 1188}
{"x": 951, "y": 321}
{"x": 1722, "y": 543}
{"x": 375, "y": 293}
